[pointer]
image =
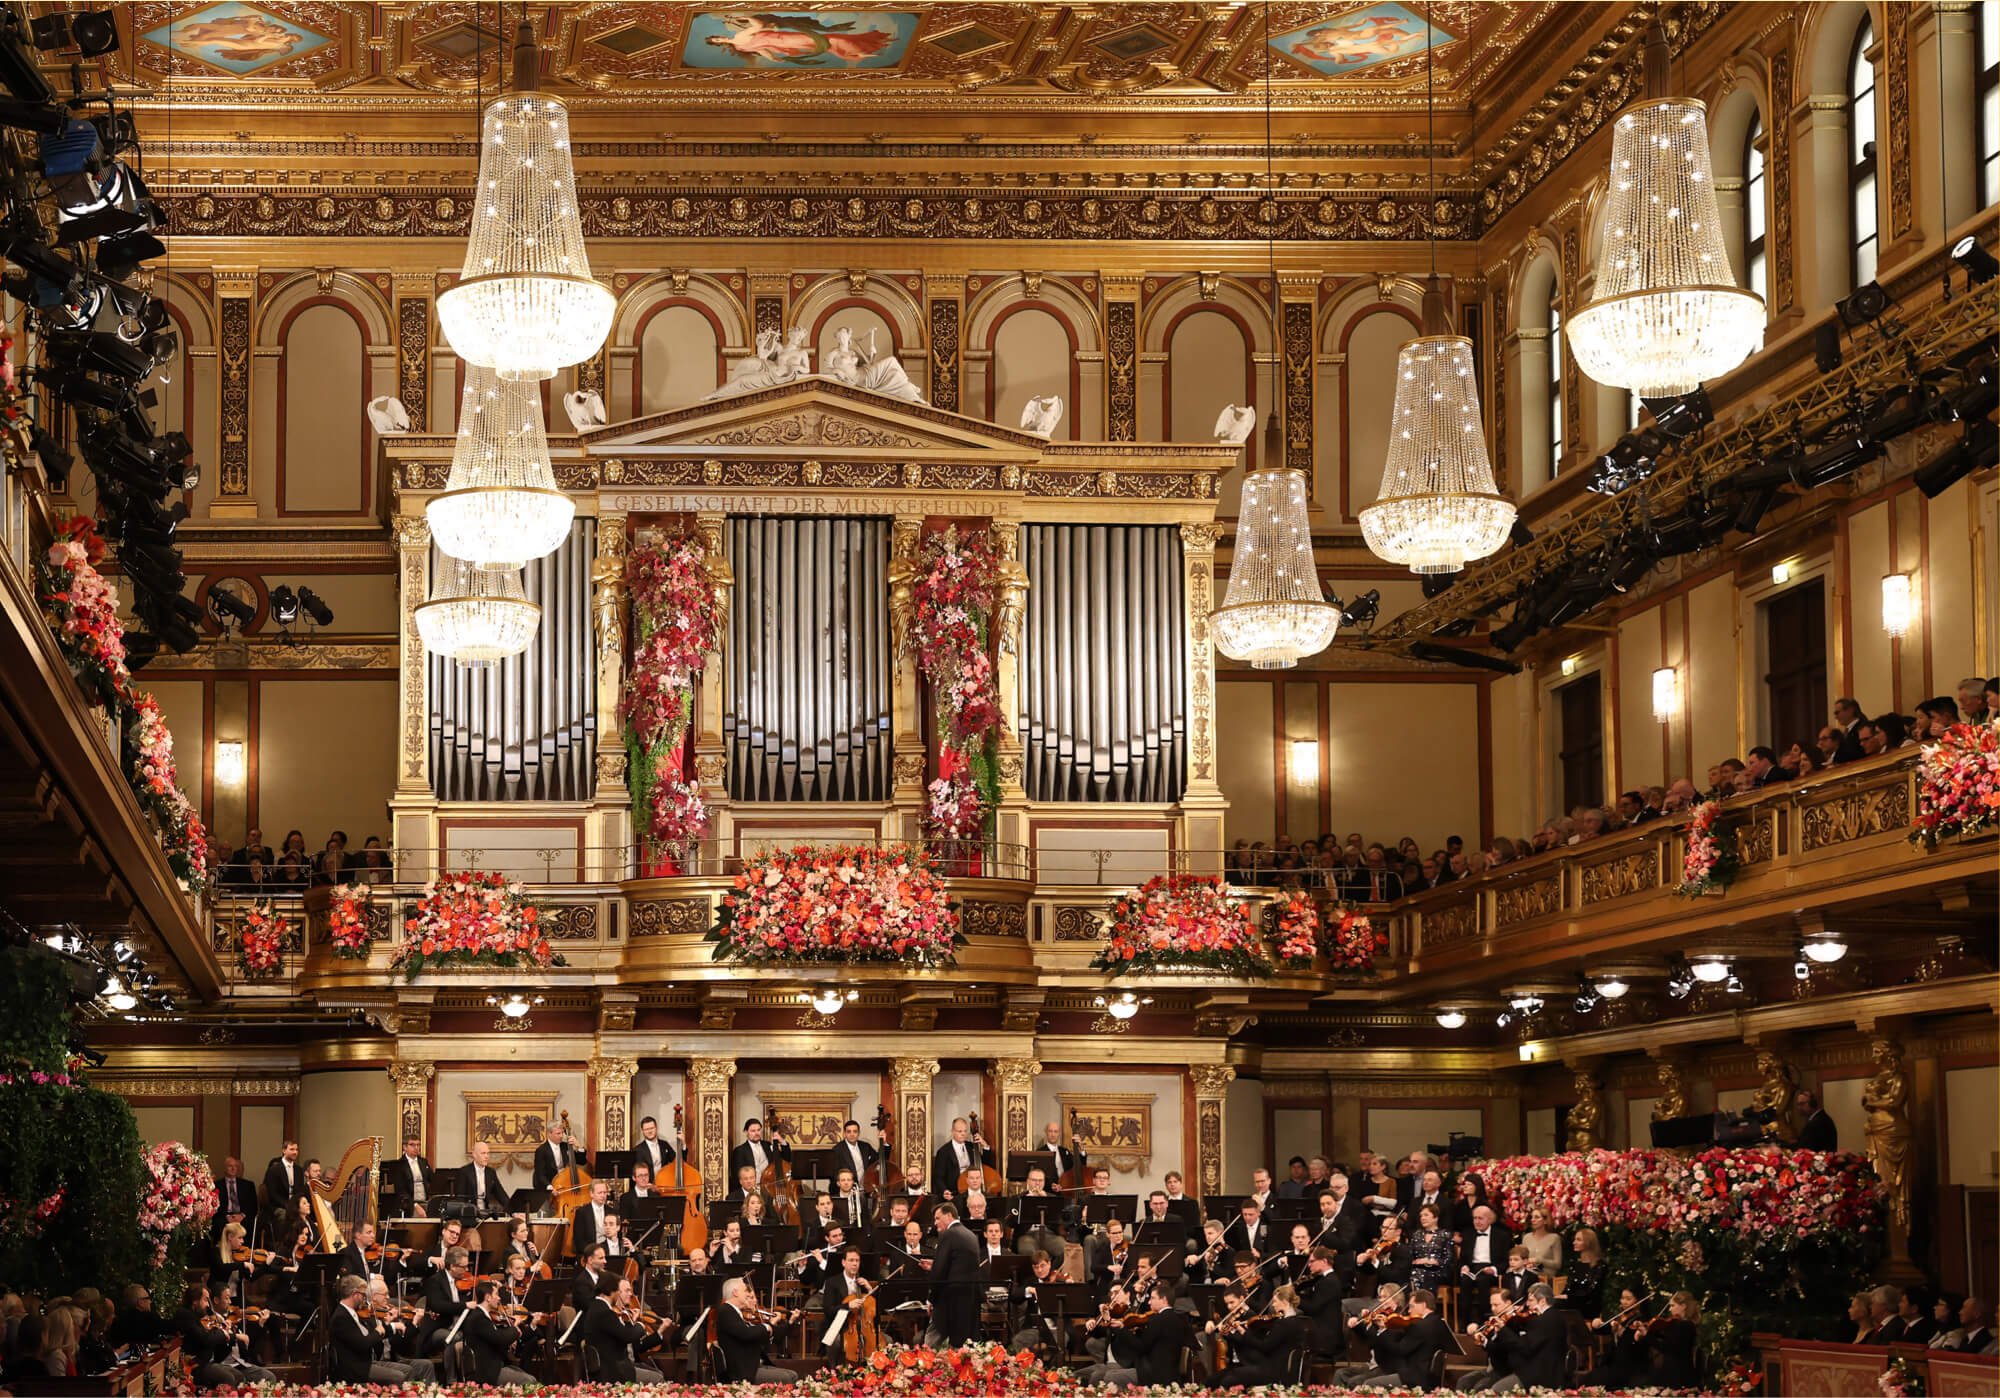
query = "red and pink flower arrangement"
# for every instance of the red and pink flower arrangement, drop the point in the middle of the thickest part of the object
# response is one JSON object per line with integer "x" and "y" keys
{"x": 262, "y": 943}
{"x": 347, "y": 920}
{"x": 1958, "y": 784}
{"x": 179, "y": 1193}
{"x": 1295, "y": 928}
{"x": 158, "y": 787}
{"x": 952, "y": 598}
{"x": 957, "y": 809}
{"x": 819, "y": 904}
{"x": 676, "y": 622}
{"x": 473, "y": 919}
{"x": 975, "y": 1371}
{"x": 1181, "y": 921}
{"x": 1710, "y": 862}
{"x": 1354, "y": 942}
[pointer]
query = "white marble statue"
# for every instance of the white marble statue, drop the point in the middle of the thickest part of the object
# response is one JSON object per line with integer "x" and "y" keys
{"x": 774, "y": 362}
{"x": 1040, "y": 415}
{"x": 585, "y": 409}
{"x": 388, "y": 416}
{"x": 874, "y": 370}
{"x": 1235, "y": 425}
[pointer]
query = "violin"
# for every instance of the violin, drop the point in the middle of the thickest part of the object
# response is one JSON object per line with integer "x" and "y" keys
{"x": 1491, "y": 1326}
{"x": 253, "y": 1256}
{"x": 1617, "y": 1322}
{"x": 405, "y": 1314}
{"x": 470, "y": 1280}
{"x": 375, "y": 1252}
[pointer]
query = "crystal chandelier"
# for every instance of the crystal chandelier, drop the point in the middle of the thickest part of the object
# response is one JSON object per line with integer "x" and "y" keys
{"x": 500, "y": 508}
{"x": 477, "y": 616}
{"x": 1438, "y": 508}
{"x": 1665, "y": 316}
{"x": 525, "y": 304}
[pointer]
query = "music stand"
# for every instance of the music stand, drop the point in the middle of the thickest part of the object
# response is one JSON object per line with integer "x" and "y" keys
{"x": 1162, "y": 1232}
{"x": 1098, "y": 1209}
{"x": 528, "y": 1201}
{"x": 773, "y": 1241}
{"x": 1042, "y": 1211}
{"x": 1289, "y": 1211}
{"x": 1019, "y": 1163}
{"x": 720, "y": 1211}
{"x": 492, "y": 1235}
{"x": 613, "y": 1165}
{"x": 1686, "y": 1132}
{"x": 1227, "y": 1207}
{"x": 1009, "y": 1267}
{"x": 812, "y": 1163}
{"x": 319, "y": 1269}
{"x": 1059, "y": 1301}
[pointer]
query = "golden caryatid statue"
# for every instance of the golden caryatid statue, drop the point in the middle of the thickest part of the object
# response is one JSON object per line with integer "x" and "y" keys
{"x": 1777, "y": 1095}
{"x": 1586, "y": 1118}
{"x": 1672, "y": 1103}
{"x": 1011, "y": 589}
{"x": 721, "y": 577}
{"x": 1886, "y": 1099}
{"x": 902, "y": 582}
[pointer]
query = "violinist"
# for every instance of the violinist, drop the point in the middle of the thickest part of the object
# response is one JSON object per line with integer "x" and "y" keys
{"x": 614, "y": 1336}
{"x": 1155, "y": 1351}
{"x": 1249, "y": 1233}
{"x": 745, "y": 1338}
{"x": 479, "y": 1183}
{"x": 1388, "y": 1259}
{"x": 1294, "y": 1265}
{"x": 1319, "y": 1303}
{"x": 212, "y": 1345}
{"x": 846, "y": 1287}
{"x": 1264, "y": 1354}
{"x": 354, "y": 1258}
{"x": 491, "y": 1337}
{"x": 1403, "y": 1345}
{"x": 521, "y": 1241}
{"x": 1255, "y": 1280}
{"x": 1106, "y": 1340}
{"x": 1533, "y": 1343}
{"x": 1625, "y": 1366}
{"x": 1209, "y": 1261}
{"x": 1030, "y": 1329}
{"x": 442, "y": 1301}
{"x": 451, "y": 1234}
{"x": 514, "y": 1284}
{"x": 233, "y": 1259}
{"x": 1670, "y": 1343}
{"x": 586, "y": 1226}
{"x": 583, "y": 1287}
{"x": 1499, "y": 1368}
{"x": 1104, "y": 1255}
{"x": 358, "y": 1342}
{"x": 652, "y": 1152}
{"x": 399, "y": 1337}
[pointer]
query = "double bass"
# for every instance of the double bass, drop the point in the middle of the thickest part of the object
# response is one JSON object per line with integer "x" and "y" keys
{"x": 570, "y": 1189}
{"x": 686, "y": 1186}
{"x": 883, "y": 1174}
{"x": 982, "y": 1174}
{"x": 778, "y": 1184}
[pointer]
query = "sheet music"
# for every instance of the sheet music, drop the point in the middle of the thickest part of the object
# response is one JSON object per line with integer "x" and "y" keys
{"x": 833, "y": 1330}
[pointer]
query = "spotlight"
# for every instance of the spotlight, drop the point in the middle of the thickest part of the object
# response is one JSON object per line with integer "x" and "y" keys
{"x": 1587, "y": 998}
{"x": 1751, "y": 512}
{"x": 1510, "y": 636}
{"x": 1437, "y": 584}
{"x": 1680, "y": 981}
{"x": 1971, "y": 452}
{"x": 321, "y": 614}
{"x": 90, "y": 32}
{"x": 1866, "y": 304}
{"x": 124, "y": 954}
{"x": 1451, "y": 1019}
{"x": 1520, "y": 535}
{"x": 284, "y": 606}
{"x": 1621, "y": 468}
{"x": 1801, "y": 969}
{"x": 1979, "y": 264}
{"x": 118, "y": 997}
{"x": 1612, "y": 987}
{"x": 1841, "y": 457}
{"x": 1683, "y": 415}
{"x": 1502, "y": 1020}
{"x": 141, "y": 648}
{"x": 228, "y": 606}
{"x": 1826, "y": 347}
{"x": 55, "y": 458}
{"x": 1362, "y": 611}
{"x": 1733, "y": 985}
{"x": 1458, "y": 655}
{"x": 18, "y": 71}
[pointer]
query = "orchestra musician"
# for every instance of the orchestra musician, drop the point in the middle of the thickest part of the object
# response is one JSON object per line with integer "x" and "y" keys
{"x": 521, "y": 1241}
{"x": 992, "y": 1244}
{"x": 1031, "y": 1330}
{"x": 1533, "y": 1344}
{"x": 586, "y": 1225}
{"x": 847, "y": 1193}
{"x": 745, "y": 1340}
{"x": 755, "y": 1212}
{"x": 1154, "y": 1352}
{"x": 844, "y": 1288}
{"x": 1319, "y": 1302}
{"x": 616, "y": 1244}
{"x": 1389, "y": 1260}
{"x": 962, "y": 1152}
{"x": 913, "y": 1259}
{"x": 1402, "y": 1353}
{"x": 514, "y": 1284}
{"x": 554, "y": 1155}
{"x": 583, "y": 1287}
{"x": 1104, "y": 1255}
{"x": 411, "y": 1178}
{"x": 746, "y": 1186}
{"x": 354, "y": 1260}
{"x": 641, "y": 1184}
{"x": 854, "y": 1155}
{"x": 730, "y": 1250}
{"x": 399, "y": 1340}
{"x": 491, "y": 1337}
{"x": 753, "y": 1150}
{"x": 614, "y": 1338}
{"x": 282, "y": 1180}
{"x": 815, "y": 1263}
{"x": 1625, "y": 1365}
{"x": 1264, "y": 1354}
{"x": 442, "y": 1301}
{"x": 212, "y": 1345}
{"x": 1248, "y": 1233}
{"x": 1255, "y": 1281}
{"x": 1260, "y": 1188}
{"x": 1069, "y": 1160}
{"x": 1041, "y": 1237}
{"x": 1208, "y": 1260}
{"x": 479, "y": 1183}
{"x": 654, "y": 1152}
{"x": 1670, "y": 1343}
{"x": 1181, "y": 1204}
{"x": 358, "y": 1342}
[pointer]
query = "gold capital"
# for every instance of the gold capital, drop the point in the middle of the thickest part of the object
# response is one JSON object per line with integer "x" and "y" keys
{"x": 1211, "y": 1079}
{"x": 711, "y": 1074}
{"x": 410, "y": 1074}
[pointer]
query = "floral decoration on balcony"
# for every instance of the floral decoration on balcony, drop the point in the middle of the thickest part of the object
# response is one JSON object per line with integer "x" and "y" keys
{"x": 952, "y": 596}
{"x": 347, "y": 920}
{"x": 261, "y": 940}
{"x": 1710, "y": 862}
{"x": 974, "y": 1371}
{"x": 676, "y": 622}
{"x": 1354, "y": 942}
{"x": 1181, "y": 922}
{"x": 1958, "y": 784}
{"x": 158, "y": 787}
{"x": 957, "y": 808}
{"x": 1295, "y": 929}
{"x": 177, "y": 1200}
{"x": 814, "y": 905}
{"x": 473, "y": 919}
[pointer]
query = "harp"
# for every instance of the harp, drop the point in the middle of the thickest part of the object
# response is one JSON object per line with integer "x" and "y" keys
{"x": 348, "y": 1198}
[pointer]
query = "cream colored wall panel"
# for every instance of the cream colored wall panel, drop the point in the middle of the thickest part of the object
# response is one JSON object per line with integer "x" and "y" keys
{"x": 1370, "y": 382}
{"x": 1374, "y": 771}
{"x": 1946, "y": 592}
{"x": 1163, "y": 1088}
{"x": 1539, "y": 1133}
{"x": 363, "y": 603}
{"x": 1639, "y": 758}
{"x": 325, "y": 426}
{"x": 656, "y": 1094}
{"x": 1242, "y": 1136}
{"x": 1735, "y": 1099}
{"x": 1295, "y": 1131}
{"x": 157, "y": 1124}
{"x": 326, "y": 756}
{"x": 1031, "y": 358}
{"x": 260, "y": 1136}
{"x": 1712, "y": 675}
{"x": 1842, "y": 1099}
{"x": 1244, "y": 760}
{"x": 337, "y": 1109}
{"x": 1208, "y": 368}
{"x": 676, "y": 361}
{"x": 449, "y": 1145}
{"x": 1974, "y": 1125}
{"x": 1397, "y": 1131}
{"x": 1301, "y": 725}
{"x": 264, "y": 433}
{"x": 181, "y": 705}
{"x": 1512, "y": 700}
{"x": 1639, "y": 1122}
{"x": 1867, "y": 560}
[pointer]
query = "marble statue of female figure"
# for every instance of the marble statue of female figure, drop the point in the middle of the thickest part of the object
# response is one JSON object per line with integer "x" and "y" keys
{"x": 873, "y": 370}
{"x": 772, "y": 364}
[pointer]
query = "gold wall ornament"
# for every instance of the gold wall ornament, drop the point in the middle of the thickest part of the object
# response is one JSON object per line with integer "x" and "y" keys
{"x": 1777, "y": 1092}
{"x": 512, "y": 1123}
{"x": 1523, "y": 901}
{"x": 721, "y": 576}
{"x": 1620, "y": 878}
{"x": 1011, "y": 591}
{"x": 710, "y": 1121}
{"x": 911, "y": 1078}
{"x": 1856, "y": 815}
{"x": 905, "y": 538}
{"x": 1113, "y": 1126}
{"x": 412, "y": 1074}
{"x": 806, "y": 1118}
{"x": 1586, "y": 1116}
{"x": 1890, "y": 1134}
{"x": 1672, "y": 1102}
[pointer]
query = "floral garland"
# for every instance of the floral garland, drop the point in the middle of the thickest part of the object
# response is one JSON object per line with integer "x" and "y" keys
{"x": 179, "y": 1194}
{"x": 957, "y": 809}
{"x": 1710, "y": 863}
{"x": 473, "y": 919}
{"x": 1958, "y": 784}
{"x": 1295, "y": 928}
{"x": 952, "y": 598}
{"x": 815, "y": 904}
{"x": 1183, "y": 921}
{"x": 975, "y": 1371}
{"x": 347, "y": 920}
{"x": 1355, "y": 942}
{"x": 157, "y": 784}
{"x": 262, "y": 945}
{"x": 676, "y": 621}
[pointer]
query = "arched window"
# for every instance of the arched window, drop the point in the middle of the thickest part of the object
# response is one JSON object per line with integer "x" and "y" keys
{"x": 1555, "y": 379}
{"x": 1863, "y": 221}
{"x": 1755, "y": 264}
{"x": 1989, "y": 104}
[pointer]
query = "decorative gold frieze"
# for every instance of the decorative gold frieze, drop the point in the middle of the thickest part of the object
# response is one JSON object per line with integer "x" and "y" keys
{"x": 1855, "y": 815}
{"x": 1620, "y": 878}
{"x": 1456, "y": 923}
{"x": 667, "y": 917}
{"x": 1523, "y": 901}
{"x": 986, "y": 918}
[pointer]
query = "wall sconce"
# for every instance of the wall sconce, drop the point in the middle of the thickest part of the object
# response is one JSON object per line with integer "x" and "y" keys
{"x": 1899, "y": 603}
{"x": 1666, "y": 694}
{"x": 1569, "y": 666}
{"x": 1781, "y": 573}
{"x": 229, "y": 765}
{"x": 1305, "y": 763}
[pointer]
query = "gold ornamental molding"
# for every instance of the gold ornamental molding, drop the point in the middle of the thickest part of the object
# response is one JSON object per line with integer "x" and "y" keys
{"x": 411, "y": 1075}
{"x": 1114, "y": 1126}
{"x": 912, "y": 1074}
{"x": 1211, "y": 1079}
{"x": 260, "y": 654}
{"x": 614, "y": 1075}
{"x": 198, "y": 1087}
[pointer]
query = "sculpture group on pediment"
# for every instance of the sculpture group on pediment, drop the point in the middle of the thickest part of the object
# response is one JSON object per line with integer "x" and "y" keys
{"x": 869, "y": 368}
{"x": 776, "y": 360}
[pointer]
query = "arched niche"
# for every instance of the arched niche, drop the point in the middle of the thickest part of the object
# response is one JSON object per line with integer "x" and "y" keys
{"x": 1191, "y": 366}
{"x": 638, "y": 328}
{"x": 994, "y": 320}
{"x": 882, "y": 305}
{"x": 1530, "y": 347}
{"x": 1360, "y": 336}
{"x": 677, "y": 359}
{"x": 313, "y": 449}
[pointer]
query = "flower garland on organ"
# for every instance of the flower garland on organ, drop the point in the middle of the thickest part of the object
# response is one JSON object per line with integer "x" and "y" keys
{"x": 1296, "y": 928}
{"x": 676, "y": 621}
{"x": 1355, "y": 941}
{"x": 473, "y": 919}
{"x": 347, "y": 920}
{"x": 815, "y": 905}
{"x": 1958, "y": 784}
{"x": 952, "y": 597}
{"x": 1186, "y": 921}
{"x": 262, "y": 941}
{"x": 1710, "y": 863}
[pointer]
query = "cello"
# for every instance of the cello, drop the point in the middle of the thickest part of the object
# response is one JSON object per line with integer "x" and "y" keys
{"x": 982, "y": 1174}
{"x": 862, "y": 1336}
{"x": 686, "y": 1186}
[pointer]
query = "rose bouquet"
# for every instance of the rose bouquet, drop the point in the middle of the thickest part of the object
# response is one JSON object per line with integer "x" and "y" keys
{"x": 157, "y": 785}
{"x": 680, "y": 816}
{"x": 177, "y": 1200}
{"x": 1355, "y": 942}
{"x": 1295, "y": 928}
{"x": 956, "y": 811}
{"x": 1180, "y": 921}
{"x": 83, "y": 608}
{"x": 1958, "y": 784}
{"x": 952, "y": 598}
{"x": 261, "y": 946}
{"x": 473, "y": 919}
{"x": 1711, "y": 852}
{"x": 974, "y": 1371}
{"x": 347, "y": 920}
{"x": 818, "y": 904}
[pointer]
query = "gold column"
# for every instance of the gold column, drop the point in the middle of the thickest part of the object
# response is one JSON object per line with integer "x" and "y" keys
{"x": 1014, "y": 1081}
{"x": 1121, "y": 357}
{"x": 709, "y": 761}
{"x": 1202, "y": 801}
{"x": 1011, "y": 827}
{"x": 416, "y": 1081}
{"x": 911, "y": 1078}
{"x": 413, "y": 554}
{"x": 611, "y": 604}
{"x": 906, "y": 698}
{"x": 1297, "y": 370}
{"x": 235, "y": 314}
{"x": 614, "y": 1099}
{"x": 413, "y": 348}
{"x": 1892, "y": 1140}
{"x": 1211, "y": 1086}
{"x": 710, "y": 1077}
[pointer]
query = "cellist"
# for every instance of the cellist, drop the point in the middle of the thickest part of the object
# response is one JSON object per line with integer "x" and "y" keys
{"x": 847, "y": 1289}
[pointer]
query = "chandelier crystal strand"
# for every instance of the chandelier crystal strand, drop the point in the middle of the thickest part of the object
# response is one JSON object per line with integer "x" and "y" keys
{"x": 478, "y": 616}
{"x": 1438, "y": 507}
{"x": 525, "y": 304}
{"x": 1666, "y": 315}
{"x": 500, "y": 508}
{"x": 1274, "y": 612}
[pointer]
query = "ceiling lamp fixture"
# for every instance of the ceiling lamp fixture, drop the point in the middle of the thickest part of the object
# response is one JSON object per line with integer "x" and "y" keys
{"x": 1451, "y": 1019}
{"x": 478, "y": 617}
{"x": 1666, "y": 316}
{"x": 1123, "y": 1006}
{"x": 500, "y": 508}
{"x": 524, "y": 304}
{"x": 1438, "y": 508}
{"x": 828, "y": 1000}
{"x": 1711, "y": 970}
{"x": 117, "y": 996}
{"x": 515, "y": 1006}
{"x": 1612, "y": 986}
{"x": 1825, "y": 950}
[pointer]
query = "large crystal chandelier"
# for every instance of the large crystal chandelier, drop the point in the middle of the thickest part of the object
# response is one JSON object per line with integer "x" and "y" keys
{"x": 525, "y": 304}
{"x": 1665, "y": 316}
{"x": 500, "y": 508}
{"x": 476, "y": 616}
{"x": 1438, "y": 507}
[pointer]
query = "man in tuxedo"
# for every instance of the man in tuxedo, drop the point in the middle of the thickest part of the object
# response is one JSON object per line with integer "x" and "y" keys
{"x": 1260, "y": 1187}
{"x": 479, "y": 1184}
{"x": 1067, "y": 1158}
{"x": 491, "y": 1337}
{"x": 586, "y": 1225}
{"x": 209, "y": 1348}
{"x": 651, "y": 1149}
{"x": 358, "y": 1345}
{"x": 745, "y": 1341}
{"x": 1482, "y": 1252}
{"x": 853, "y": 1153}
{"x": 284, "y": 1177}
{"x": 409, "y": 1175}
{"x": 398, "y": 1340}
{"x": 1535, "y": 1352}
{"x": 615, "y": 1341}
{"x": 1817, "y": 1130}
{"x": 755, "y": 1151}
{"x": 955, "y": 1271}
{"x": 553, "y": 1155}
{"x": 442, "y": 1300}
{"x": 236, "y": 1198}
{"x": 1422, "y": 1189}
{"x": 1320, "y": 1295}
{"x": 1156, "y": 1351}
{"x": 961, "y": 1152}
{"x": 1915, "y": 1310}
{"x": 1249, "y": 1233}
{"x": 851, "y": 1203}
{"x": 583, "y": 1287}
{"x": 1402, "y": 1357}
{"x": 844, "y": 1287}
{"x": 1181, "y": 1204}
{"x": 354, "y": 1257}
